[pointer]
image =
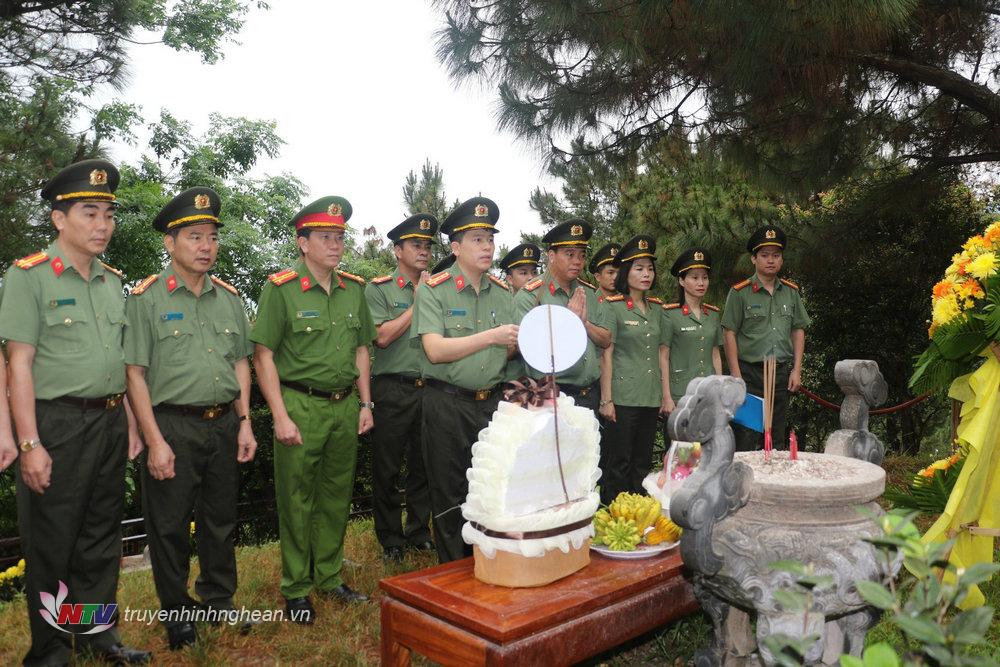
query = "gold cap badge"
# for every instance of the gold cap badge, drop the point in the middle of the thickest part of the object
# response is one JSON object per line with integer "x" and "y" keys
{"x": 202, "y": 201}
{"x": 614, "y": 251}
{"x": 643, "y": 244}
{"x": 482, "y": 211}
{"x": 425, "y": 224}
{"x": 529, "y": 252}
{"x": 334, "y": 209}
{"x": 576, "y": 230}
{"x": 98, "y": 177}
{"x": 770, "y": 234}
{"x": 699, "y": 256}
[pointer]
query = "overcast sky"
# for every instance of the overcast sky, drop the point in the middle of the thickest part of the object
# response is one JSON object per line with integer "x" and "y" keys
{"x": 360, "y": 100}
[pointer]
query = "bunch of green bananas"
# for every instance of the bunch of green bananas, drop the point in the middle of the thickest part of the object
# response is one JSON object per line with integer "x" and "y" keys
{"x": 621, "y": 535}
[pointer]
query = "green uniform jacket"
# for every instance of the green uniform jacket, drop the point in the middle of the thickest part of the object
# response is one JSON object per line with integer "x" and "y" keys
{"x": 388, "y": 297}
{"x": 691, "y": 341}
{"x": 545, "y": 290}
{"x": 189, "y": 344}
{"x": 449, "y": 306}
{"x": 635, "y": 370}
{"x": 764, "y": 322}
{"x": 313, "y": 334}
{"x": 75, "y": 326}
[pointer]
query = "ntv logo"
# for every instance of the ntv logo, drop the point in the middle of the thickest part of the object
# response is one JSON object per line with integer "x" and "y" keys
{"x": 57, "y": 613}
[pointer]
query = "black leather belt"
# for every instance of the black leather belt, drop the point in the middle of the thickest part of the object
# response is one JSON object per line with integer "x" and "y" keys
{"x": 575, "y": 390}
{"x": 206, "y": 412}
{"x": 471, "y": 394}
{"x": 338, "y": 395}
{"x": 401, "y": 379}
{"x": 109, "y": 402}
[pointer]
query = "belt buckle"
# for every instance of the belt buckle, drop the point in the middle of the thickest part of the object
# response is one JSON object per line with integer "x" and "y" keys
{"x": 419, "y": 382}
{"x": 482, "y": 394}
{"x": 212, "y": 412}
{"x": 584, "y": 391}
{"x": 113, "y": 401}
{"x": 338, "y": 395}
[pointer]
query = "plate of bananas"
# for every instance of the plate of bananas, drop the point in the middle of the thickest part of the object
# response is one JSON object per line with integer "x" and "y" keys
{"x": 633, "y": 526}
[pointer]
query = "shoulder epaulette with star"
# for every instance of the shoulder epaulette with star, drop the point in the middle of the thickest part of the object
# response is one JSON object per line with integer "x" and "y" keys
{"x": 615, "y": 297}
{"x": 789, "y": 283}
{"x": 740, "y": 285}
{"x": 381, "y": 279}
{"x": 282, "y": 277}
{"x": 32, "y": 261}
{"x": 438, "y": 278}
{"x": 584, "y": 282}
{"x": 351, "y": 276}
{"x": 113, "y": 270}
{"x": 653, "y": 299}
{"x": 533, "y": 285}
{"x": 144, "y": 285}
{"x": 671, "y": 306}
{"x": 711, "y": 307}
{"x": 498, "y": 281}
{"x": 224, "y": 285}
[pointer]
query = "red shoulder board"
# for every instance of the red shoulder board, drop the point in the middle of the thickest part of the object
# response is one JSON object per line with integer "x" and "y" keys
{"x": 533, "y": 285}
{"x": 740, "y": 285}
{"x": 282, "y": 277}
{"x": 224, "y": 285}
{"x": 144, "y": 285}
{"x": 499, "y": 282}
{"x": 790, "y": 283}
{"x": 381, "y": 279}
{"x": 351, "y": 276}
{"x": 710, "y": 307}
{"x": 653, "y": 299}
{"x": 438, "y": 278}
{"x": 615, "y": 297}
{"x": 584, "y": 282}
{"x": 113, "y": 270}
{"x": 671, "y": 306}
{"x": 32, "y": 261}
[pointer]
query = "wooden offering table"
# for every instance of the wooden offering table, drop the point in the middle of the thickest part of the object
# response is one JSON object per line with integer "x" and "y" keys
{"x": 446, "y": 614}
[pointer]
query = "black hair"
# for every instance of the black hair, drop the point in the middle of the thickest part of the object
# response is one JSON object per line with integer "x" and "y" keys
{"x": 456, "y": 237}
{"x": 304, "y": 232}
{"x": 621, "y": 280}
{"x": 62, "y": 206}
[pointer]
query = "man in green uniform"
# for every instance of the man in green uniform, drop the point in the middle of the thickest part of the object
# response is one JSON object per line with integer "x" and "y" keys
{"x": 398, "y": 390}
{"x": 464, "y": 318}
{"x": 312, "y": 334}
{"x": 560, "y": 285}
{"x": 186, "y": 348}
{"x": 603, "y": 269}
{"x": 63, "y": 314}
{"x": 520, "y": 265}
{"x": 764, "y": 317}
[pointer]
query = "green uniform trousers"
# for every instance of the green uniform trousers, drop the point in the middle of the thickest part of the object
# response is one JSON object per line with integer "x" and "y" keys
{"x": 451, "y": 425}
{"x": 72, "y": 533}
{"x": 314, "y": 484}
{"x": 205, "y": 482}
{"x": 627, "y": 450}
{"x": 747, "y": 440}
{"x": 396, "y": 437}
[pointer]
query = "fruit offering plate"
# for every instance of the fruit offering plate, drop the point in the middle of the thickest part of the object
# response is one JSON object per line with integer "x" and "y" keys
{"x": 641, "y": 551}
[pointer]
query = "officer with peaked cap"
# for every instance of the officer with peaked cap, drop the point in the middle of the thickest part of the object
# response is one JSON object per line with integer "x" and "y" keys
{"x": 187, "y": 348}
{"x": 602, "y": 267}
{"x": 520, "y": 265}
{"x": 312, "y": 334}
{"x": 63, "y": 315}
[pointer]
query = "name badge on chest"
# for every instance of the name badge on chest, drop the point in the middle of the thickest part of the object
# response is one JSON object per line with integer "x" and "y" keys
{"x": 632, "y": 323}
{"x": 399, "y": 304}
{"x": 306, "y": 314}
{"x": 169, "y": 317}
{"x": 455, "y": 312}
{"x": 55, "y": 303}
{"x": 689, "y": 328}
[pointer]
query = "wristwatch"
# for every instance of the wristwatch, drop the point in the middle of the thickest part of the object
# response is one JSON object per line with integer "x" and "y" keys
{"x": 28, "y": 445}
{"x": 367, "y": 404}
{"x": 607, "y": 402}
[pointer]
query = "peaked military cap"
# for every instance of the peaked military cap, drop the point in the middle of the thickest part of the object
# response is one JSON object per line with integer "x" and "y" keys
{"x": 636, "y": 247}
{"x": 476, "y": 213}
{"x": 692, "y": 258}
{"x": 194, "y": 206}
{"x": 87, "y": 180}
{"x": 324, "y": 213}
{"x": 604, "y": 255}
{"x": 526, "y": 253}
{"x": 766, "y": 236}
{"x": 419, "y": 226}
{"x": 573, "y": 232}
{"x": 444, "y": 264}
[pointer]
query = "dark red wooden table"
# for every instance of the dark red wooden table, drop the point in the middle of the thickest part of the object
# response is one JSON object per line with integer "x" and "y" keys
{"x": 447, "y": 615}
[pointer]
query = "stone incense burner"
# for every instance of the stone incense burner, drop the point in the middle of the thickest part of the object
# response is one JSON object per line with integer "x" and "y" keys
{"x": 741, "y": 514}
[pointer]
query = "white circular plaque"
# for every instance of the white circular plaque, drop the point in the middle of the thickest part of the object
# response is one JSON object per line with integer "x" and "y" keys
{"x": 551, "y": 333}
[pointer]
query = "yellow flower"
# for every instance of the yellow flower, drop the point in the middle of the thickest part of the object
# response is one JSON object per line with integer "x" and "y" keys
{"x": 984, "y": 266}
{"x": 191, "y": 530}
{"x": 20, "y": 565}
{"x": 945, "y": 310}
{"x": 975, "y": 243}
{"x": 992, "y": 234}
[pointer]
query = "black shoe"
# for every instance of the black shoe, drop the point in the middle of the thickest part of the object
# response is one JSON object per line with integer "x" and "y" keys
{"x": 119, "y": 654}
{"x": 394, "y": 554}
{"x": 345, "y": 593}
{"x": 300, "y": 610}
{"x": 181, "y": 635}
{"x": 426, "y": 545}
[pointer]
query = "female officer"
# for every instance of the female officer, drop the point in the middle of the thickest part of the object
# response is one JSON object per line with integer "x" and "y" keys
{"x": 631, "y": 390}
{"x": 692, "y": 332}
